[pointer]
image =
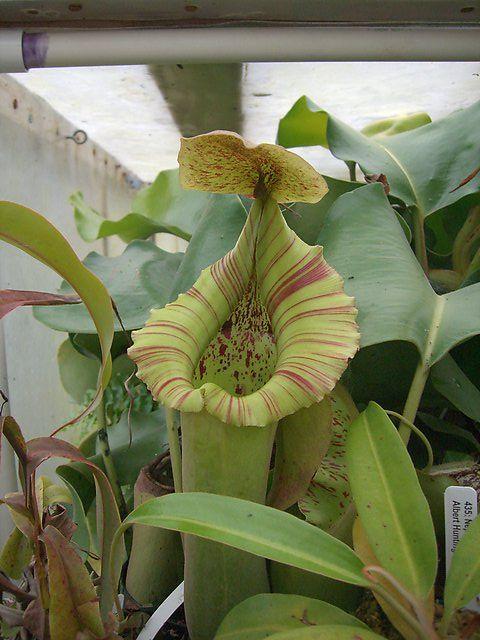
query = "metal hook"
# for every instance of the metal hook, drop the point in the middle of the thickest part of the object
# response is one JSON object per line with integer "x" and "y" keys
{"x": 79, "y": 136}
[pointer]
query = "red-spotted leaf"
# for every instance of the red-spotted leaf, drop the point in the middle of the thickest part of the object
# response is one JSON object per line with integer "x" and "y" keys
{"x": 35, "y": 620}
{"x": 15, "y": 555}
{"x": 10, "y": 299}
{"x": 327, "y": 503}
{"x": 21, "y": 516}
{"x": 301, "y": 441}
{"x": 10, "y": 429}
{"x": 73, "y": 606}
{"x": 268, "y": 613}
{"x": 392, "y": 507}
{"x": 41, "y": 449}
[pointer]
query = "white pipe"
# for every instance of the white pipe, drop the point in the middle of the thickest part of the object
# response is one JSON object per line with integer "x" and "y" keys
{"x": 11, "y": 54}
{"x": 244, "y": 44}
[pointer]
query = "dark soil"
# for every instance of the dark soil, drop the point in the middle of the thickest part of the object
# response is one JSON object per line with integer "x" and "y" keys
{"x": 175, "y": 628}
{"x": 371, "y": 614}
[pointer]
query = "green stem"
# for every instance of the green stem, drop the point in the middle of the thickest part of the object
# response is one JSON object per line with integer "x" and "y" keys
{"x": 233, "y": 461}
{"x": 423, "y": 369}
{"x": 419, "y": 238}
{"x": 107, "y": 459}
{"x": 423, "y": 633}
{"x": 417, "y": 606}
{"x": 352, "y": 170}
{"x": 175, "y": 451}
{"x": 413, "y": 399}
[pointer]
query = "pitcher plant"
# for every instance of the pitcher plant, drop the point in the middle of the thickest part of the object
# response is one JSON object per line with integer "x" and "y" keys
{"x": 264, "y": 332}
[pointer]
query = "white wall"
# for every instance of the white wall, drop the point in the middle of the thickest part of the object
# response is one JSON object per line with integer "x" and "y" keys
{"x": 40, "y": 168}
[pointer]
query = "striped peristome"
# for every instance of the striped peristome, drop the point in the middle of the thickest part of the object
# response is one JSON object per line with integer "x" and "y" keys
{"x": 263, "y": 332}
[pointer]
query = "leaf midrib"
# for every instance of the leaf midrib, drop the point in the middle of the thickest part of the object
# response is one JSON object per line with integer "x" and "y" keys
{"x": 152, "y": 520}
{"x": 391, "y": 504}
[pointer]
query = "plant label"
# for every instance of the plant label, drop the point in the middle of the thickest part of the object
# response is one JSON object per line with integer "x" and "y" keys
{"x": 460, "y": 510}
{"x": 162, "y": 614}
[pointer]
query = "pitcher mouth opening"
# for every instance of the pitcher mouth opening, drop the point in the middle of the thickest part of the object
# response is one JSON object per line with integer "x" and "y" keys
{"x": 243, "y": 355}
{"x": 265, "y": 331}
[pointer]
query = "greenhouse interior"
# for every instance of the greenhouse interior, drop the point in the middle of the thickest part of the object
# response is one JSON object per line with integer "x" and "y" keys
{"x": 240, "y": 320}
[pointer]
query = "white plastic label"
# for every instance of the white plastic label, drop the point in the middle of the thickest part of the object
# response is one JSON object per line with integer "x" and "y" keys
{"x": 460, "y": 510}
{"x": 162, "y": 614}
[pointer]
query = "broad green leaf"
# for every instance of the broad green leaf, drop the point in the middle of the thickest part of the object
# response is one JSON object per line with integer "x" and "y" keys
{"x": 216, "y": 234}
{"x": 306, "y": 125}
{"x": 328, "y": 632}
{"x": 269, "y": 613}
{"x": 329, "y": 496}
{"x": 254, "y": 528}
{"x": 127, "y": 279}
{"x": 301, "y": 442}
{"x": 162, "y": 207}
{"x": 41, "y": 449}
{"x": 449, "y": 380}
{"x": 365, "y": 243}
{"x": 73, "y": 605}
{"x": 391, "y": 505}
{"x": 36, "y": 236}
{"x": 136, "y": 444}
{"x": 463, "y": 580}
{"x": 383, "y": 373}
{"x": 265, "y": 331}
{"x": 397, "y": 124}
{"x": 87, "y": 344}
{"x": 307, "y": 219}
{"x": 290, "y": 580}
{"x": 422, "y": 166}
{"x": 77, "y": 373}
